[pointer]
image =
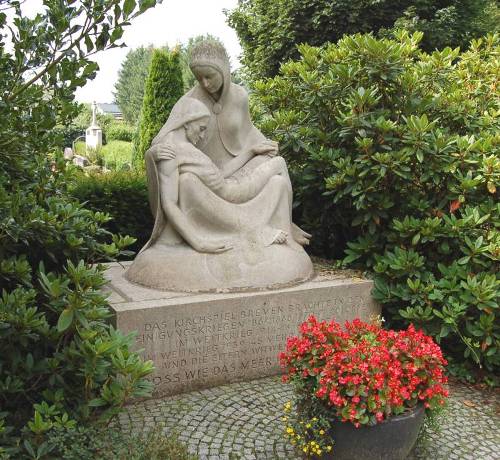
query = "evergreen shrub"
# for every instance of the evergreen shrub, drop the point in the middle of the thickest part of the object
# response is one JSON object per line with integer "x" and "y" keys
{"x": 91, "y": 443}
{"x": 164, "y": 87}
{"x": 123, "y": 195}
{"x": 394, "y": 155}
{"x": 61, "y": 363}
{"x": 120, "y": 132}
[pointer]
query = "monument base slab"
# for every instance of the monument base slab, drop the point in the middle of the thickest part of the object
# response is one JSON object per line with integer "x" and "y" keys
{"x": 203, "y": 340}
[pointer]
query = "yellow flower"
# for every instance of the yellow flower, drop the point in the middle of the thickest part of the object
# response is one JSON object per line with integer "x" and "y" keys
{"x": 289, "y": 430}
{"x": 328, "y": 448}
{"x": 305, "y": 449}
{"x": 319, "y": 451}
{"x": 314, "y": 419}
{"x": 321, "y": 432}
{"x": 308, "y": 425}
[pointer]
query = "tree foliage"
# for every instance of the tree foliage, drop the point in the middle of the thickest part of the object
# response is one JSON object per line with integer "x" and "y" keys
{"x": 270, "y": 30}
{"x": 164, "y": 87}
{"x": 61, "y": 362}
{"x": 129, "y": 88}
{"x": 394, "y": 155}
{"x": 133, "y": 74}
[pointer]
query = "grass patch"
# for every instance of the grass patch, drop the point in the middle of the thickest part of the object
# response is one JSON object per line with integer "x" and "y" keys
{"x": 113, "y": 155}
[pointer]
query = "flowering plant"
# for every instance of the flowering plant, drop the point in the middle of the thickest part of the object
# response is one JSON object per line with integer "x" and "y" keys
{"x": 363, "y": 374}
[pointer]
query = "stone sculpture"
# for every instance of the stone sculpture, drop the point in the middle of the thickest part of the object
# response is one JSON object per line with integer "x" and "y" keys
{"x": 221, "y": 196}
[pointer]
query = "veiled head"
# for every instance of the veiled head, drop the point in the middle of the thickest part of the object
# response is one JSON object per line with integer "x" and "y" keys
{"x": 209, "y": 63}
{"x": 183, "y": 113}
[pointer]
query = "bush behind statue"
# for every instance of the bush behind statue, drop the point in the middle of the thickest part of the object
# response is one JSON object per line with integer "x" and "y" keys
{"x": 394, "y": 158}
{"x": 124, "y": 196}
{"x": 120, "y": 132}
{"x": 163, "y": 89}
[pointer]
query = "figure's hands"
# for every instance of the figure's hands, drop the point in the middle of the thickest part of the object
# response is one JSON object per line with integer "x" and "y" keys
{"x": 211, "y": 246}
{"x": 267, "y": 147}
{"x": 163, "y": 152}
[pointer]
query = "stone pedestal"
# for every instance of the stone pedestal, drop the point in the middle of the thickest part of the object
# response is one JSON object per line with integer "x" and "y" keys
{"x": 202, "y": 340}
{"x": 93, "y": 137}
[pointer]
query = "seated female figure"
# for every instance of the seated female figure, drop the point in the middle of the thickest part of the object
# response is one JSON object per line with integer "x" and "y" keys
{"x": 210, "y": 231}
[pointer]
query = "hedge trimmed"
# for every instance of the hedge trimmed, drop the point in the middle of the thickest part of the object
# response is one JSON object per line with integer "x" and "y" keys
{"x": 124, "y": 196}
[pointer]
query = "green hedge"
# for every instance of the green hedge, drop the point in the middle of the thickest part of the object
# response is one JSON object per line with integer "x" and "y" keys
{"x": 394, "y": 154}
{"x": 120, "y": 132}
{"x": 124, "y": 196}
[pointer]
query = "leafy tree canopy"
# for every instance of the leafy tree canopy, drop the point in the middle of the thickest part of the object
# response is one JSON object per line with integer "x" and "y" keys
{"x": 270, "y": 30}
{"x": 129, "y": 89}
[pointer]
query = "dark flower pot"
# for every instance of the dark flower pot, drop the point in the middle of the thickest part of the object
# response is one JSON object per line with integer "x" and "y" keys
{"x": 392, "y": 439}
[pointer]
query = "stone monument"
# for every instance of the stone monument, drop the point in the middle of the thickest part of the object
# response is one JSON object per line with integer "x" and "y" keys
{"x": 93, "y": 134}
{"x": 220, "y": 194}
{"x": 224, "y": 278}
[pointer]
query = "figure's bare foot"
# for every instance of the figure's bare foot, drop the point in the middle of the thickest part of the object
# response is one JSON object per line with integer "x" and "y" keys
{"x": 280, "y": 237}
{"x": 300, "y": 236}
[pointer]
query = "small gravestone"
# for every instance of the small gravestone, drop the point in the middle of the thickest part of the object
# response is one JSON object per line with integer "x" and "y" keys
{"x": 93, "y": 134}
{"x": 81, "y": 161}
{"x": 68, "y": 153}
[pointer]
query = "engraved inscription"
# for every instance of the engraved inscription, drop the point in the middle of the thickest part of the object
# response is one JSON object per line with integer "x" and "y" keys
{"x": 191, "y": 348}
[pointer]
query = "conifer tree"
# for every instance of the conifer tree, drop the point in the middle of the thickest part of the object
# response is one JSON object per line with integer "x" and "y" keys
{"x": 129, "y": 89}
{"x": 164, "y": 87}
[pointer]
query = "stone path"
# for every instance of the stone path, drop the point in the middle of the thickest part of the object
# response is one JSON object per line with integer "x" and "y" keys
{"x": 243, "y": 421}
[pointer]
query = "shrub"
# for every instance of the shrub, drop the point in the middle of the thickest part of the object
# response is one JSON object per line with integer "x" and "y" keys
{"x": 112, "y": 444}
{"x": 117, "y": 154}
{"x": 67, "y": 135}
{"x": 84, "y": 118}
{"x": 60, "y": 362}
{"x": 164, "y": 87}
{"x": 124, "y": 196}
{"x": 120, "y": 132}
{"x": 395, "y": 153}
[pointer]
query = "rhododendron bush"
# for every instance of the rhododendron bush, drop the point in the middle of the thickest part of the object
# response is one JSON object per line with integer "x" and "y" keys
{"x": 363, "y": 373}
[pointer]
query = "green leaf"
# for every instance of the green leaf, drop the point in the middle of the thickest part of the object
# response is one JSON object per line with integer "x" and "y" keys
{"x": 97, "y": 402}
{"x": 128, "y": 7}
{"x": 65, "y": 320}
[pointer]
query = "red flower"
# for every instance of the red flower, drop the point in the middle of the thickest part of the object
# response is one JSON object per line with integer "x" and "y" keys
{"x": 365, "y": 368}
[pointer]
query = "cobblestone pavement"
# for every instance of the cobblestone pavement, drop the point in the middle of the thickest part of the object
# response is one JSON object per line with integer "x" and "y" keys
{"x": 243, "y": 421}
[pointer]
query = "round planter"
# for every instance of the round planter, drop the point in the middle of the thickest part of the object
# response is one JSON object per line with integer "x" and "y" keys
{"x": 392, "y": 439}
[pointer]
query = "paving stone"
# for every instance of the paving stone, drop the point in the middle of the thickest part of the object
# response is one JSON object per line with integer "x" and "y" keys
{"x": 242, "y": 421}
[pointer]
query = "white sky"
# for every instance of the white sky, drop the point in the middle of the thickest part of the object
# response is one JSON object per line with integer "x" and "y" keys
{"x": 170, "y": 23}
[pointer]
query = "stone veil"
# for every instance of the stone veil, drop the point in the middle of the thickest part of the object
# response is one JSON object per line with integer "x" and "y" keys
{"x": 220, "y": 195}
